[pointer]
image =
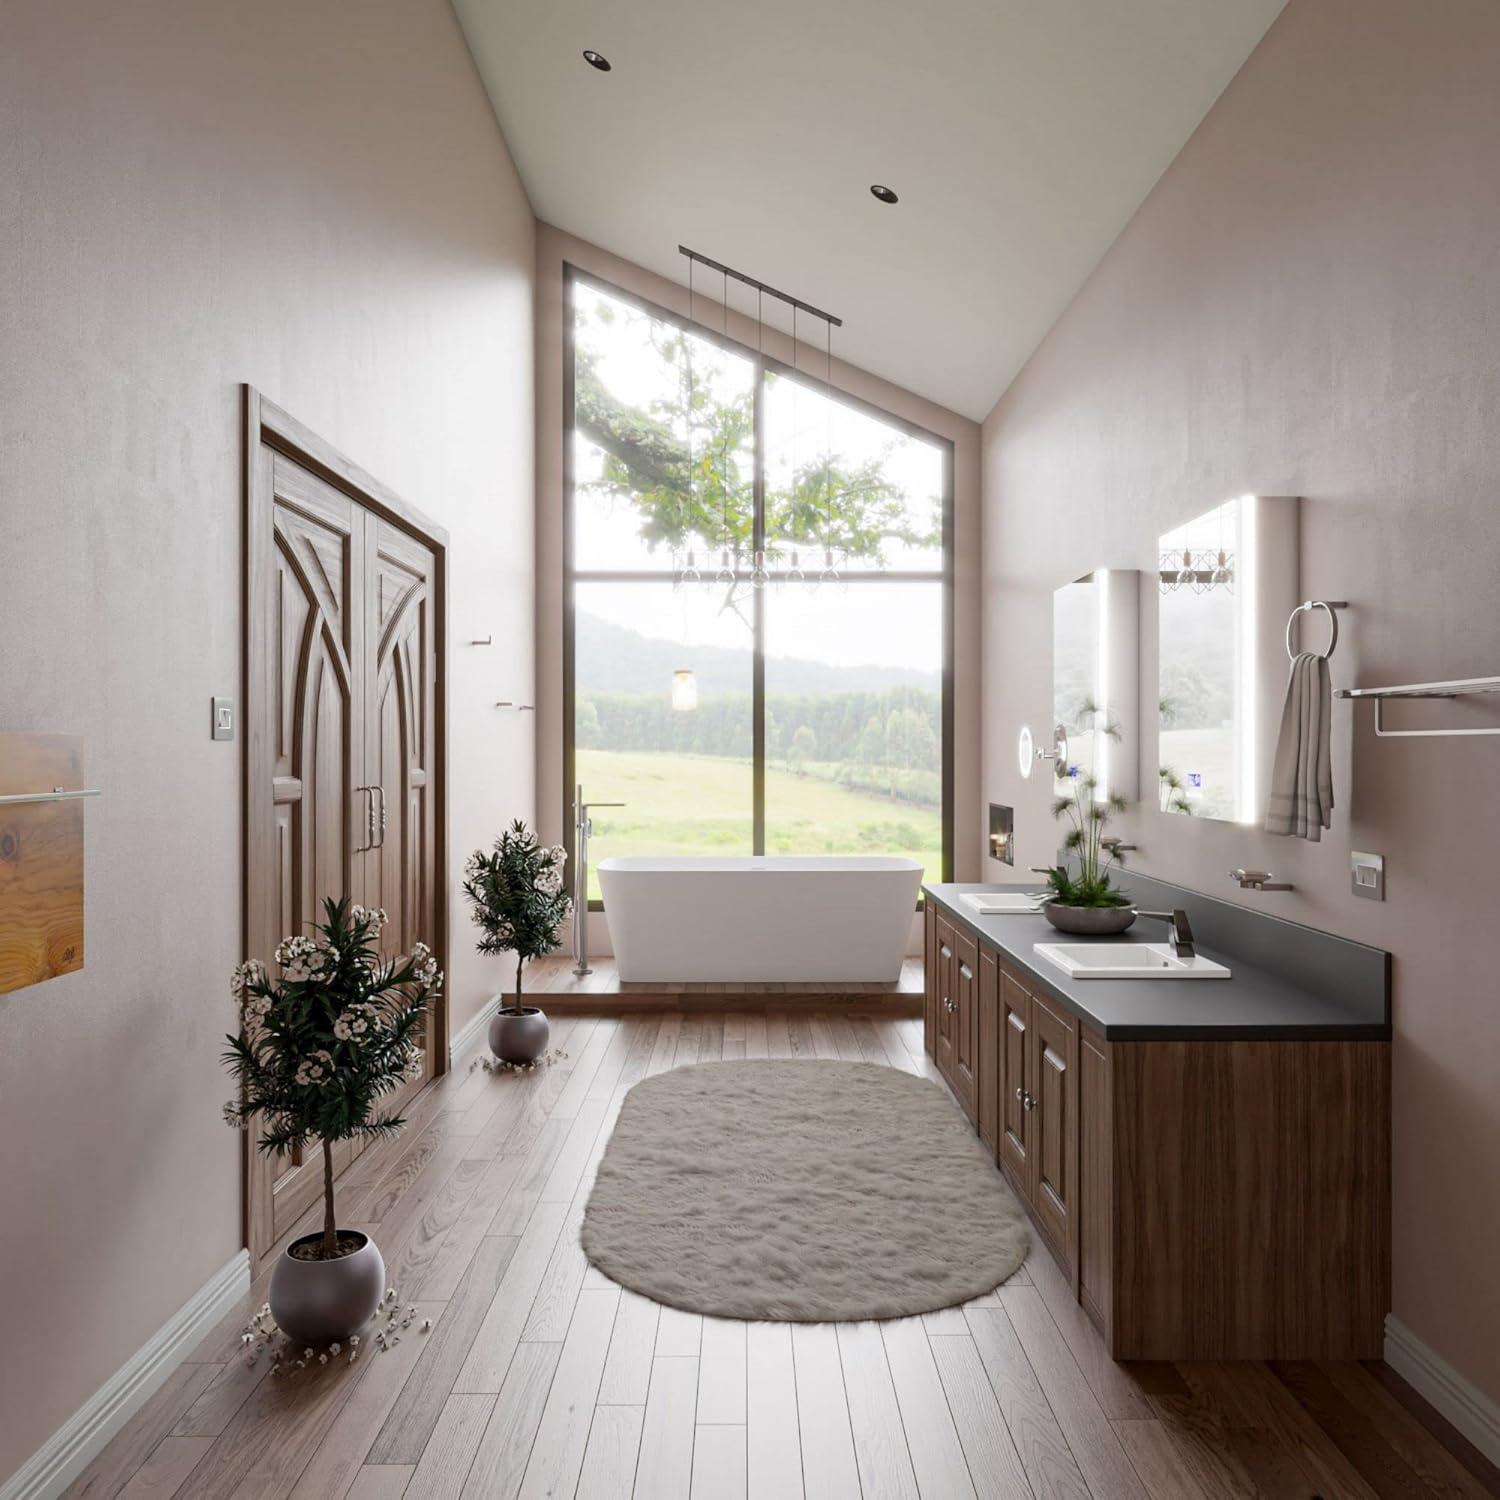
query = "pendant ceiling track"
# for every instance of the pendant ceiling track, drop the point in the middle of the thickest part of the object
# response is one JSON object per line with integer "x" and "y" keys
{"x": 767, "y": 565}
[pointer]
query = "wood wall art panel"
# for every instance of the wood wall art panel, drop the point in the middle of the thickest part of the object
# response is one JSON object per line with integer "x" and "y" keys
{"x": 41, "y": 860}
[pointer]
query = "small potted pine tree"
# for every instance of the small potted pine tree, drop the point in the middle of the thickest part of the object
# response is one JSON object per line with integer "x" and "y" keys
{"x": 519, "y": 905}
{"x": 317, "y": 1050}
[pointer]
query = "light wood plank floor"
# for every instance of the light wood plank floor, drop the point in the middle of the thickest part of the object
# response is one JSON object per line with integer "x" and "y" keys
{"x": 541, "y": 1377}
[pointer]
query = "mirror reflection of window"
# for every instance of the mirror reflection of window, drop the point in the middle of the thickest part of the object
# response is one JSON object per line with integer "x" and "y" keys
{"x": 1206, "y": 667}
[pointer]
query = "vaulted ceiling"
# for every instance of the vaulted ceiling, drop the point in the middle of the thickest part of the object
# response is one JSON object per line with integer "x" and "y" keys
{"x": 1020, "y": 136}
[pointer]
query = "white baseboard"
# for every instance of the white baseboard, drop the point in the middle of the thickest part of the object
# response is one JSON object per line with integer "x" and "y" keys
{"x": 464, "y": 1037}
{"x": 1450, "y": 1394}
{"x": 60, "y": 1460}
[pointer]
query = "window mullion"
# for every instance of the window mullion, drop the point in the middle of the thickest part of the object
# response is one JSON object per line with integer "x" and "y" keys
{"x": 758, "y": 659}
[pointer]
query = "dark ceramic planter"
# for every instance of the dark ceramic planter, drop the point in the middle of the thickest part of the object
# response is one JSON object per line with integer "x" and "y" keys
{"x": 1088, "y": 921}
{"x": 320, "y": 1302}
{"x": 519, "y": 1036}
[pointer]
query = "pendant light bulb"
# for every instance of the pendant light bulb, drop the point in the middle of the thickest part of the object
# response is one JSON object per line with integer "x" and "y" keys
{"x": 684, "y": 690}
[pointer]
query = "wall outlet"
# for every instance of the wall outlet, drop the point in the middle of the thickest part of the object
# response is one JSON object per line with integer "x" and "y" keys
{"x": 1367, "y": 875}
{"x": 223, "y": 718}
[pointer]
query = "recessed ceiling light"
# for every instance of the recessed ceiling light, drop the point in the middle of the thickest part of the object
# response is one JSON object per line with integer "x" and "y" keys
{"x": 596, "y": 59}
{"x": 884, "y": 193}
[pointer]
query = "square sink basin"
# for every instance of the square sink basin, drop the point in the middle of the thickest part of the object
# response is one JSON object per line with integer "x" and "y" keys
{"x": 1127, "y": 961}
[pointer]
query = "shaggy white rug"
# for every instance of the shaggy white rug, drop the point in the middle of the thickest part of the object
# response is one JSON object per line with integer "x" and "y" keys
{"x": 800, "y": 1191}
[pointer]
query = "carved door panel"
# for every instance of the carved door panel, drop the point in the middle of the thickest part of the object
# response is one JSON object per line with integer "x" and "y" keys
{"x": 400, "y": 872}
{"x": 343, "y": 780}
{"x": 307, "y": 817}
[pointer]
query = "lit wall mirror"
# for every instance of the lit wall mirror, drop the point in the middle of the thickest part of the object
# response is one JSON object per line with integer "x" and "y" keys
{"x": 1094, "y": 680}
{"x": 1227, "y": 581}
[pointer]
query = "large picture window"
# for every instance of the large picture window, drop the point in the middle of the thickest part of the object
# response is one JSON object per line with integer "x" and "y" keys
{"x": 758, "y": 594}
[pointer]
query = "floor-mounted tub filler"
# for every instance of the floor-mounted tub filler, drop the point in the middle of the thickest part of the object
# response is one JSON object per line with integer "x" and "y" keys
{"x": 820, "y": 919}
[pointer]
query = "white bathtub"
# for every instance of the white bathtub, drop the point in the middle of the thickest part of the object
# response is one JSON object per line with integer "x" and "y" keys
{"x": 771, "y": 918}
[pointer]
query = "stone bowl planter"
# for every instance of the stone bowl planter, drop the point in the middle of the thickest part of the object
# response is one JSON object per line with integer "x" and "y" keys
{"x": 319, "y": 1302}
{"x": 1088, "y": 921}
{"x": 518, "y": 1035}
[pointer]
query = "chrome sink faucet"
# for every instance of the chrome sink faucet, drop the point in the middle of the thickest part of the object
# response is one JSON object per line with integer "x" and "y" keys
{"x": 1181, "y": 937}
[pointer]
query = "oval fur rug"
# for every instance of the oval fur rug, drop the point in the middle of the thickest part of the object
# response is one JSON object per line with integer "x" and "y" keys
{"x": 803, "y": 1191}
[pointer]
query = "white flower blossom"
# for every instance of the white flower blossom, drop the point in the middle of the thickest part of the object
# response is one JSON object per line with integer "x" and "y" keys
{"x": 473, "y": 864}
{"x": 232, "y": 1116}
{"x": 244, "y": 975}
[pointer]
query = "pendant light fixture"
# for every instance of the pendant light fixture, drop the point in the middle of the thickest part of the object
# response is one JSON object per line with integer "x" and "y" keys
{"x": 764, "y": 562}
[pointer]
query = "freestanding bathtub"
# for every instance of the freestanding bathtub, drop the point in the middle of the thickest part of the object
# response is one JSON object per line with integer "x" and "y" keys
{"x": 772, "y": 918}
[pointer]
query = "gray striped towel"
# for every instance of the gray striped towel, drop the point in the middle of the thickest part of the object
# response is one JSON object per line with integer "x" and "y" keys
{"x": 1300, "y": 804}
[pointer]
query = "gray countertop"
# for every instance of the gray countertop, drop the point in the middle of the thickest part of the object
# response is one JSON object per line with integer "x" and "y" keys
{"x": 1255, "y": 1003}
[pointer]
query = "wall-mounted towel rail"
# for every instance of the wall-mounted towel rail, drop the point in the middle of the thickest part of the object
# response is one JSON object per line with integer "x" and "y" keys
{"x": 57, "y": 794}
{"x": 1457, "y": 687}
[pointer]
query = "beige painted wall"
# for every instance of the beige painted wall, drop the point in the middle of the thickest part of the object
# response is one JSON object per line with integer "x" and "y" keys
{"x": 314, "y": 198}
{"x": 555, "y": 250}
{"x": 1307, "y": 305}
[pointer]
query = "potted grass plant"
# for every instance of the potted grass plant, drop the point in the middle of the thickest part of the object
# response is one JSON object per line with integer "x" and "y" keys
{"x": 519, "y": 905}
{"x": 1086, "y": 902}
{"x": 318, "y": 1048}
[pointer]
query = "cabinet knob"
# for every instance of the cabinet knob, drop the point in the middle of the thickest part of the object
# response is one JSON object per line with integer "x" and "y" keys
{"x": 1021, "y": 1094}
{"x": 1028, "y": 1102}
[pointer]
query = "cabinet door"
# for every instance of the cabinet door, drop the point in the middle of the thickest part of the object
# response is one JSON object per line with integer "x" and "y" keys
{"x": 987, "y": 1058}
{"x": 966, "y": 1022}
{"x": 929, "y": 981}
{"x": 1054, "y": 1126}
{"x": 946, "y": 1006}
{"x": 1015, "y": 1080}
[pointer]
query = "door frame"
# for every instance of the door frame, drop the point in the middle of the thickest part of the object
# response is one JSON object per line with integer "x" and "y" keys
{"x": 267, "y": 425}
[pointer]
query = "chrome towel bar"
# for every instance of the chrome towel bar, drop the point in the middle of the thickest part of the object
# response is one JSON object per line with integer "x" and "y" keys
{"x": 57, "y": 794}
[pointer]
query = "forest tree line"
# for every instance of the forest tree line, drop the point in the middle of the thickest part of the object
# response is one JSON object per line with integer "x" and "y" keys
{"x": 884, "y": 742}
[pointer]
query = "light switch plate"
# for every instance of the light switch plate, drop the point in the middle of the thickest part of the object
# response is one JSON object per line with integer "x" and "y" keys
{"x": 223, "y": 718}
{"x": 1367, "y": 875}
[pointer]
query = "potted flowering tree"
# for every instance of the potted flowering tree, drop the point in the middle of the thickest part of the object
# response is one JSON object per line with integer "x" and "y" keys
{"x": 317, "y": 1050}
{"x": 519, "y": 905}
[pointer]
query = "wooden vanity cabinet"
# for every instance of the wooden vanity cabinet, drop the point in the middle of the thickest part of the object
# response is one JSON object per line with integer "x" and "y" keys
{"x": 1206, "y": 1199}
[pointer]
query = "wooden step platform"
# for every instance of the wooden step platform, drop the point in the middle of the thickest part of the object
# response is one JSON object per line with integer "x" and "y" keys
{"x": 553, "y": 985}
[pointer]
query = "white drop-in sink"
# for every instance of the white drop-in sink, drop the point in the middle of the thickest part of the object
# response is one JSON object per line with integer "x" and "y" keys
{"x": 1127, "y": 961}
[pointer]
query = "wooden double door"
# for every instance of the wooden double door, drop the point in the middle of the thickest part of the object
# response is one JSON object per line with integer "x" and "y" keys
{"x": 342, "y": 719}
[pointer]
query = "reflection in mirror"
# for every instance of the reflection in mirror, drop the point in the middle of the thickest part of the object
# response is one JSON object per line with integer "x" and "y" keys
{"x": 1224, "y": 582}
{"x": 1094, "y": 641}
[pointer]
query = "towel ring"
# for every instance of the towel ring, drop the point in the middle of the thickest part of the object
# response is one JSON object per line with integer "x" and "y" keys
{"x": 1328, "y": 606}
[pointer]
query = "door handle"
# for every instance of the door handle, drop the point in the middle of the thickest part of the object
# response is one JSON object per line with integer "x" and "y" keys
{"x": 369, "y": 842}
{"x": 381, "y": 789}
